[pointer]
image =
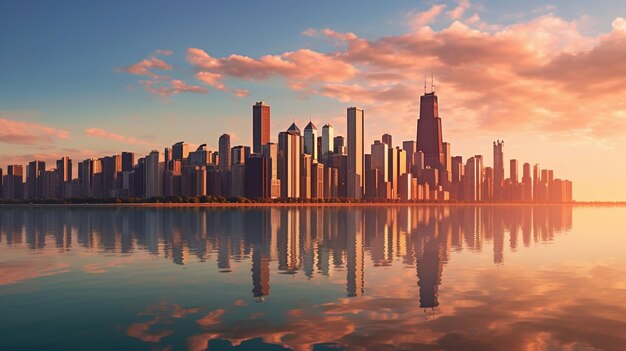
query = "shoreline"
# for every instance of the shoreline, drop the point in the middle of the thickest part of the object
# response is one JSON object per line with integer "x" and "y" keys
{"x": 311, "y": 204}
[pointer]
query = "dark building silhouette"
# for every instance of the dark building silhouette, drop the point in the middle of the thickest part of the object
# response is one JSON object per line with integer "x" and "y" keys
{"x": 429, "y": 138}
{"x": 260, "y": 126}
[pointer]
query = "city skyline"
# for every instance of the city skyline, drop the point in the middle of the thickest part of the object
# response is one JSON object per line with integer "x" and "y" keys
{"x": 120, "y": 99}
{"x": 297, "y": 167}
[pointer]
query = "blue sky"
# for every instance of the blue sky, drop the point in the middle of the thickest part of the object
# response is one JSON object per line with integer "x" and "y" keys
{"x": 60, "y": 67}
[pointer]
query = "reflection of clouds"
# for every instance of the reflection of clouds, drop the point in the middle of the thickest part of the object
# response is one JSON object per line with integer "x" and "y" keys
{"x": 18, "y": 271}
{"x": 512, "y": 311}
{"x": 161, "y": 314}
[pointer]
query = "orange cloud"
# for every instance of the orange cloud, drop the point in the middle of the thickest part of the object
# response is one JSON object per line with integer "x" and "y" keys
{"x": 28, "y": 133}
{"x": 421, "y": 19}
{"x": 303, "y": 64}
{"x": 172, "y": 87}
{"x": 145, "y": 66}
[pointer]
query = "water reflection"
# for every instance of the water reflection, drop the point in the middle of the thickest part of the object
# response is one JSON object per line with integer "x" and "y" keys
{"x": 362, "y": 278}
{"x": 309, "y": 241}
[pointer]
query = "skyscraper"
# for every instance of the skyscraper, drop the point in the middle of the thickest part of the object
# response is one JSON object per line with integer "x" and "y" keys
{"x": 64, "y": 175}
{"x": 34, "y": 180}
{"x": 387, "y": 140}
{"x": 429, "y": 138}
{"x": 310, "y": 141}
{"x": 269, "y": 151}
{"x": 154, "y": 166}
{"x": 12, "y": 183}
{"x": 356, "y": 154}
{"x": 180, "y": 151}
{"x": 410, "y": 147}
{"x": 498, "y": 170}
{"x": 527, "y": 183}
{"x": 260, "y": 126}
{"x": 380, "y": 156}
{"x": 473, "y": 179}
{"x": 328, "y": 134}
{"x": 128, "y": 161}
{"x": 339, "y": 146}
{"x": 289, "y": 161}
{"x": 513, "y": 170}
{"x": 224, "y": 150}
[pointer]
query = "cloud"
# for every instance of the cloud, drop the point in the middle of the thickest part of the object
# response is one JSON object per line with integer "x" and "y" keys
{"x": 301, "y": 65}
{"x": 212, "y": 79}
{"x": 145, "y": 66}
{"x": 28, "y": 133}
{"x": 171, "y": 87}
{"x": 458, "y": 11}
{"x": 101, "y": 133}
{"x": 421, "y": 19}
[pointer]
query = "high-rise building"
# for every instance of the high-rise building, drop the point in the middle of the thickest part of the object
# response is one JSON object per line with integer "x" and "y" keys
{"x": 410, "y": 147}
{"x": 356, "y": 152}
{"x": 64, "y": 171}
{"x": 154, "y": 167}
{"x": 328, "y": 135}
{"x": 180, "y": 151}
{"x": 111, "y": 167}
{"x": 270, "y": 152}
{"x": 200, "y": 157}
{"x": 527, "y": 183}
{"x": 260, "y": 126}
{"x": 224, "y": 150}
{"x": 429, "y": 137}
{"x": 447, "y": 156}
{"x": 387, "y": 140}
{"x": 498, "y": 170}
{"x": 339, "y": 145}
{"x": 310, "y": 141}
{"x": 513, "y": 171}
{"x": 239, "y": 154}
{"x": 289, "y": 161}
{"x": 317, "y": 180}
{"x": 380, "y": 159}
{"x": 128, "y": 161}
{"x": 13, "y": 183}
{"x": 305, "y": 176}
{"x": 392, "y": 169}
{"x": 34, "y": 180}
{"x": 473, "y": 179}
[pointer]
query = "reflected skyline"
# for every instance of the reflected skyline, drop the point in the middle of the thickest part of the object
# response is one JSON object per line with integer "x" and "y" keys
{"x": 309, "y": 241}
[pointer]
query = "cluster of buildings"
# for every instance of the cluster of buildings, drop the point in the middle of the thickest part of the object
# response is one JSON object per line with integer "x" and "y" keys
{"x": 303, "y": 164}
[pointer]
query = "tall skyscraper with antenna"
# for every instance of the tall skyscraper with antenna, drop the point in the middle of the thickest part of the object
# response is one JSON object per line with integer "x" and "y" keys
{"x": 429, "y": 136}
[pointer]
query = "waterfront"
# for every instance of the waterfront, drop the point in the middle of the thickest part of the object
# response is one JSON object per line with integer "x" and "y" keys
{"x": 306, "y": 278}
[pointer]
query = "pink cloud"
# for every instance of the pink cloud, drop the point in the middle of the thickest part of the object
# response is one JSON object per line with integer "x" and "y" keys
{"x": 303, "y": 64}
{"x": 458, "y": 11}
{"x": 28, "y": 133}
{"x": 212, "y": 79}
{"x": 171, "y": 87}
{"x": 145, "y": 66}
{"x": 421, "y": 19}
{"x": 101, "y": 133}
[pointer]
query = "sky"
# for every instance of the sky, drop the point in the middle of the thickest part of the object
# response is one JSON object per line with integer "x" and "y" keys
{"x": 88, "y": 79}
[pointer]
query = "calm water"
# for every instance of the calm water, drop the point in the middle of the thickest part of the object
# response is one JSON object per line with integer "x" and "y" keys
{"x": 393, "y": 278}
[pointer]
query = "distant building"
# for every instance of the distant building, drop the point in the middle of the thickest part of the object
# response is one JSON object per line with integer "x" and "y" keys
{"x": 310, "y": 141}
{"x": 154, "y": 167}
{"x": 289, "y": 161}
{"x": 260, "y": 126}
{"x": 356, "y": 152}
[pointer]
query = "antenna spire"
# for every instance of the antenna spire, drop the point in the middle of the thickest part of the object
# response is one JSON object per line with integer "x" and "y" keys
{"x": 424, "y": 83}
{"x": 432, "y": 82}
